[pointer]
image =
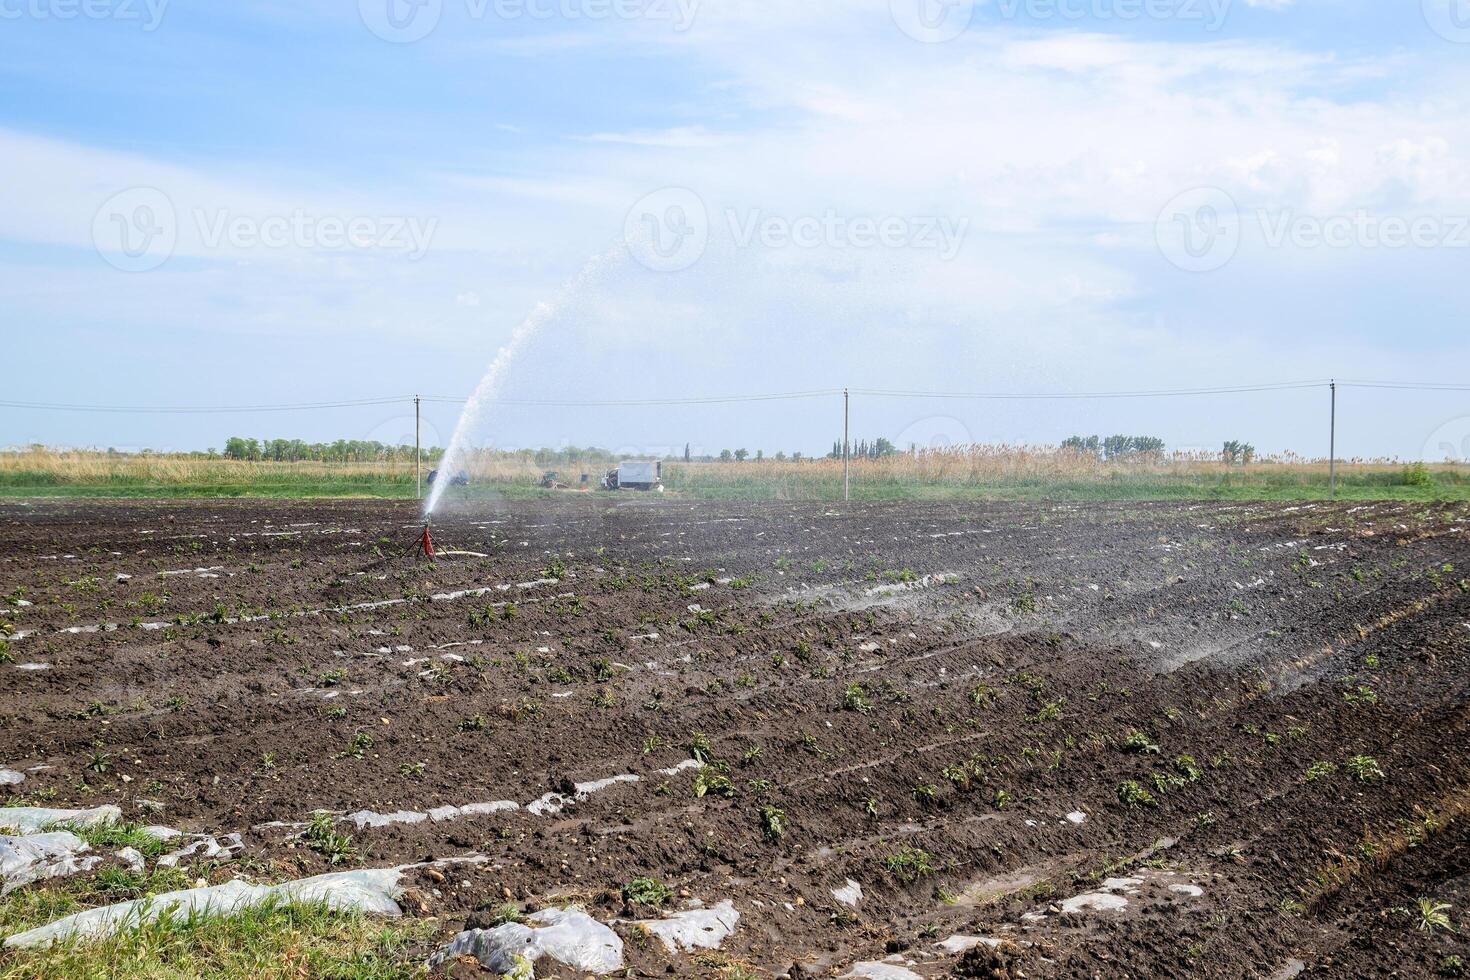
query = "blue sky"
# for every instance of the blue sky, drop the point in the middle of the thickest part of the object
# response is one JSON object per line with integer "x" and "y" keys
{"x": 1077, "y": 195}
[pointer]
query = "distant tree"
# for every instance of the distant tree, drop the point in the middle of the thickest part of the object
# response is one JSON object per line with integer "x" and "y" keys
{"x": 1117, "y": 447}
{"x": 1238, "y": 453}
{"x": 1148, "y": 445}
{"x": 742, "y": 454}
{"x": 760, "y": 454}
{"x": 780, "y": 455}
{"x": 1088, "y": 446}
{"x": 796, "y": 457}
{"x": 725, "y": 455}
{"x": 884, "y": 448}
{"x": 686, "y": 452}
{"x": 238, "y": 448}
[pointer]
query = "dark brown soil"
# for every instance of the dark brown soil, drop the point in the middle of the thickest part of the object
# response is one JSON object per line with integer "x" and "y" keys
{"x": 932, "y": 682}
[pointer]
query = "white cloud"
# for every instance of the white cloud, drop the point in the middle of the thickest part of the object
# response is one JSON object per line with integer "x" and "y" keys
{"x": 1059, "y": 147}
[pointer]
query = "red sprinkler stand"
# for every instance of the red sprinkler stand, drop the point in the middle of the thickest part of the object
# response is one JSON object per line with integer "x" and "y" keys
{"x": 426, "y": 545}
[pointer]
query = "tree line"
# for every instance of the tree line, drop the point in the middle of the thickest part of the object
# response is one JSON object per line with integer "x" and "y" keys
{"x": 863, "y": 449}
{"x": 340, "y": 451}
{"x": 1115, "y": 447}
{"x": 1234, "y": 452}
{"x": 1109, "y": 448}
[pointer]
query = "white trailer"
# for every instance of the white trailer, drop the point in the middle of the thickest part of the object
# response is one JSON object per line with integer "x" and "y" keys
{"x": 635, "y": 475}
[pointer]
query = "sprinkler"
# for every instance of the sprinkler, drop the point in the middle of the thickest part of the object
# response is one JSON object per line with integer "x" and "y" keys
{"x": 426, "y": 543}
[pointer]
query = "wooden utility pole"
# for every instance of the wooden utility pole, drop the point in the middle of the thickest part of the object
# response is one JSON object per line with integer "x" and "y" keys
{"x": 1332, "y": 447}
{"x": 846, "y": 485}
{"x": 418, "y": 453}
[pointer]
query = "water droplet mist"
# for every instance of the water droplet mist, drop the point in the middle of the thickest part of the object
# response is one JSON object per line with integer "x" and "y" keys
{"x": 471, "y": 417}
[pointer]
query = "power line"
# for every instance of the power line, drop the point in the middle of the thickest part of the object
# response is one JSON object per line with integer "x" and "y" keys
{"x": 1406, "y": 385}
{"x": 1033, "y": 395}
{"x": 201, "y": 409}
{"x": 603, "y": 402}
{"x": 731, "y": 399}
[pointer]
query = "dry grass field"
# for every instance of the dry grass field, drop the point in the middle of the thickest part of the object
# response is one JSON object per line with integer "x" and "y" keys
{"x": 967, "y": 471}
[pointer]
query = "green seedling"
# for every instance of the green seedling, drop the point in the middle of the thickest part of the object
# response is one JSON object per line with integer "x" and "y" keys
{"x": 909, "y": 864}
{"x": 1133, "y": 795}
{"x": 647, "y": 891}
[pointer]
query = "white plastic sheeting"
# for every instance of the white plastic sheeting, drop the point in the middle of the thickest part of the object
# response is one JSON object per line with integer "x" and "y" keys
{"x": 209, "y": 848}
{"x": 39, "y": 856}
{"x": 569, "y": 936}
{"x": 9, "y": 777}
{"x": 552, "y": 803}
{"x": 1110, "y": 897}
{"x": 369, "y": 890}
{"x": 34, "y": 819}
{"x": 959, "y": 943}
{"x": 548, "y": 805}
{"x": 882, "y": 971}
{"x": 849, "y": 894}
{"x": 694, "y": 928}
{"x": 367, "y": 818}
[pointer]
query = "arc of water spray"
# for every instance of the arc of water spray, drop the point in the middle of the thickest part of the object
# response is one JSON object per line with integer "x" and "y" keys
{"x": 489, "y": 387}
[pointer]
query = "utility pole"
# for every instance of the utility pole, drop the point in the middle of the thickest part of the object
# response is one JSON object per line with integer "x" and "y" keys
{"x": 1332, "y": 447}
{"x": 846, "y": 485}
{"x": 418, "y": 454}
